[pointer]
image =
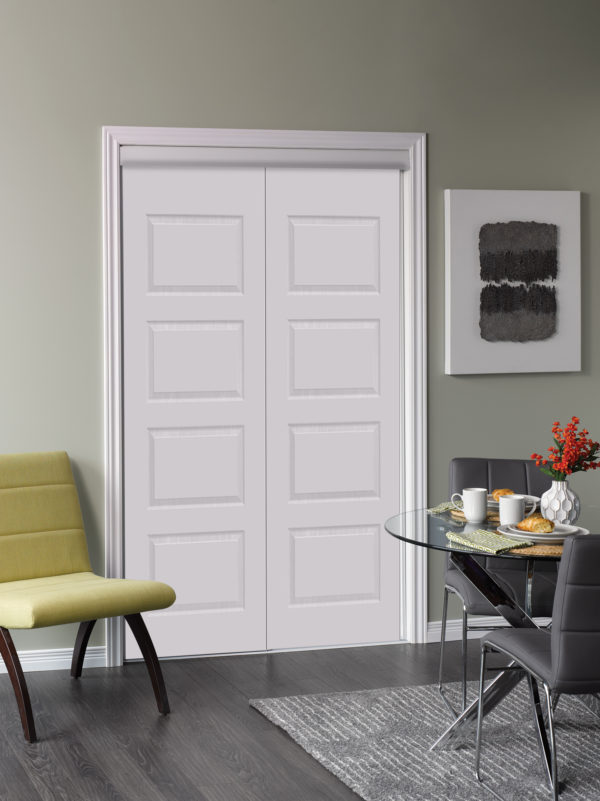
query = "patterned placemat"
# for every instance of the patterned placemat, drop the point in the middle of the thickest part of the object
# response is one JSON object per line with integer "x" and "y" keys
{"x": 492, "y": 515}
{"x": 539, "y": 550}
{"x": 483, "y": 540}
{"x": 444, "y": 506}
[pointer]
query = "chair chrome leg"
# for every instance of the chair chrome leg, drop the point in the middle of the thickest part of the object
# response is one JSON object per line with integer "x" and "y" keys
{"x": 529, "y": 586}
{"x": 464, "y": 658}
{"x": 442, "y": 649}
{"x": 443, "y": 638}
{"x": 550, "y": 706}
{"x": 540, "y": 727}
{"x": 480, "y": 710}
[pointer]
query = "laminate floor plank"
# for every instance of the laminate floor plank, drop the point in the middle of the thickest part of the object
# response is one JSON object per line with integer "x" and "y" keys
{"x": 62, "y": 768}
{"x": 176, "y": 752}
{"x": 274, "y": 677}
{"x": 265, "y": 764}
{"x": 351, "y": 672}
{"x": 216, "y": 691}
{"x": 220, "y": 749}
{"x": 135, "y": 748}
{"x": 230, "y": 791}
{"x": 67, "y": 742}
{"x": 274, "y": 763}
{"x": 102, "y": 738}
{"x": 13, "y": 774}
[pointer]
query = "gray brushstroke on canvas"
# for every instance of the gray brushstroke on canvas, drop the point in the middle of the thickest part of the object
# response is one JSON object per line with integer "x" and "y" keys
{"x": 516, "y": 326}
{"x": 517, "y": 236}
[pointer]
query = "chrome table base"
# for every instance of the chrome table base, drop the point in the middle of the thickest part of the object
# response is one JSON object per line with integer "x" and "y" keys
{"x": 462, "y": 730}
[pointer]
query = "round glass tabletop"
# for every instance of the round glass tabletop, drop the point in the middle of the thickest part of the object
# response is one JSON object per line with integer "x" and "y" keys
{"x": 429, "y": 530}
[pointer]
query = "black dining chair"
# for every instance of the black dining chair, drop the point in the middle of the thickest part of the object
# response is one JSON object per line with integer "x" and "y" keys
{"x": 565, "y": 660}
{"x": 522, "y": 476}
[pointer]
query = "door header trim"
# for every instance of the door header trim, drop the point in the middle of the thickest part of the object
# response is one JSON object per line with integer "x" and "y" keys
{"x": 276, "y": 148}
{"x": 143, "y": 155}
{"x": 245, "y": 137}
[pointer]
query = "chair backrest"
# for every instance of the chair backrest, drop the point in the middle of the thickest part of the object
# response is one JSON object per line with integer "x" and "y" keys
{"x": 41, "y": 528}
{"x": 576, "y": 617}
{"x": 520, "y": 475}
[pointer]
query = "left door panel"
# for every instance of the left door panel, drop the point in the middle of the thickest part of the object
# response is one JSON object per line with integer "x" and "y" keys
{"x": 194, "y": 402}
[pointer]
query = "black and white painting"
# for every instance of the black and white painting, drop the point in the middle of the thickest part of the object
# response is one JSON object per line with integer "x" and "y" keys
{"x": 512, "y": 281}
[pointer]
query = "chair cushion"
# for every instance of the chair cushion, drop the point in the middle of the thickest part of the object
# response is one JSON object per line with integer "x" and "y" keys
{"x": 514, "y": 573}
{"x": 473, "y": 600}
{"x": 74, "y": 597}
{"x": 512, "y": 577}
{"x": 530, "y": 647}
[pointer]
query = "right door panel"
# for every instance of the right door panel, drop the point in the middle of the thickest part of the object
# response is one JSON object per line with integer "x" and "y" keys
{"x": 333, "y": 406}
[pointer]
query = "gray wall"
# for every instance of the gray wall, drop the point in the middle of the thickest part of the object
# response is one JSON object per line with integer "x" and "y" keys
{"x": 507, "y": 90}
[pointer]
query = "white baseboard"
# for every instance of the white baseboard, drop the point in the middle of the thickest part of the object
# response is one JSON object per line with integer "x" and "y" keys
{"x": 58, "y": 659}
{"x": 454, "y": 627}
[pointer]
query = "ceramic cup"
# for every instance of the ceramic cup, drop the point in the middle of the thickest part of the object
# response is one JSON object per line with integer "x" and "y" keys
{"x": 474, "y": 503}
{"x": 512, "y": 509}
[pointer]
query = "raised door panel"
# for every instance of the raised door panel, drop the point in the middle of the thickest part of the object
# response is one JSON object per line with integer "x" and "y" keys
{"x": 333, "y": 405}
{"x": 194, "y": 333}
{"x": 334, "y": 358}
{"x": 215, "y": 351}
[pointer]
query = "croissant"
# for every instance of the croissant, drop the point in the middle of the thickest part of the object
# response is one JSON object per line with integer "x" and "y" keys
{"x": 536, "y": 524}
{"x": 498, "y": 492}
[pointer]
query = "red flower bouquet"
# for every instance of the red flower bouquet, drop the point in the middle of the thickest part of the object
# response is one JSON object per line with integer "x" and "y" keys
{"x": 572, "y": 452}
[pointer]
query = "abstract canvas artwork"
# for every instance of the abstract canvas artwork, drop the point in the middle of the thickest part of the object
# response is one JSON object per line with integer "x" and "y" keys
{"x": 516, "y": 258}
{"x": 512, "y": 281}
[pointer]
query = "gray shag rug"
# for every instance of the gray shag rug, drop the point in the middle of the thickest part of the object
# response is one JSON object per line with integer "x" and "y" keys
{"x": 377, "y": 742}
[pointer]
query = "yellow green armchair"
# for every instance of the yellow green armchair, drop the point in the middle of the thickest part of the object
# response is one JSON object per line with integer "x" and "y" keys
{"x": 45, "y": 572}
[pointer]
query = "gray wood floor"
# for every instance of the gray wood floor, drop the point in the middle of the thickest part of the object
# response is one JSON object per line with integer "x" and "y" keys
{"x": 102, "y": 738}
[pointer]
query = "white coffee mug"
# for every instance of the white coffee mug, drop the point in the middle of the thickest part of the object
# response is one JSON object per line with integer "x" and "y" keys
{"x": 512, "y": 509}
{"x": 474, "y": 503}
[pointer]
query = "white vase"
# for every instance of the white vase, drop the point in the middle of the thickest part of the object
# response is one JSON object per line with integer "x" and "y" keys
{"x": 560, "y": 504}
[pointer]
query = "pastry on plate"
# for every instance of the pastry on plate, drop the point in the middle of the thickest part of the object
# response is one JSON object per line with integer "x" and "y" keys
{"x": 498, "y": 492}
{"x": 536, "y": 524}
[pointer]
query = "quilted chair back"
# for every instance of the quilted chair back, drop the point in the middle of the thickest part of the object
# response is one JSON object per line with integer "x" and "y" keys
{"x": 41, "y": 528}
{"x": 576, "y": 618}
{"x": 520, "y": 475}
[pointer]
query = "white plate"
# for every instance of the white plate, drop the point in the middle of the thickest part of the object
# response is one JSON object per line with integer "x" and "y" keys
{"x": 556, "y": 537}
{"x": 492, "y": 504}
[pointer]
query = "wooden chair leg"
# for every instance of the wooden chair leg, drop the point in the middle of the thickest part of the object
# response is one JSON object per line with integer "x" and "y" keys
{"x": 140, "y": 632}
{"x": 83, "y": 636}
{"x": 13, "y": 666}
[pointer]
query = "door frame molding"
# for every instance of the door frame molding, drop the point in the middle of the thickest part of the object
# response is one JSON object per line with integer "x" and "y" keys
{"x": 404, "y": 151}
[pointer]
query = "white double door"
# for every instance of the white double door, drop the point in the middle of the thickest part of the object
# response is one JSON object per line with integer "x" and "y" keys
{"x": 262, "y": 369}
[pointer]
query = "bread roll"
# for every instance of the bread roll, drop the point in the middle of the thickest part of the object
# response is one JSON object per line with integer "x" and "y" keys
{"x": 498, "y": 492}
{"x": 536, "y": 524}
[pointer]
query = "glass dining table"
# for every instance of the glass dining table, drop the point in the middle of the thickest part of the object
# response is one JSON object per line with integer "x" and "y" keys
{"x": 428, "y": 530}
